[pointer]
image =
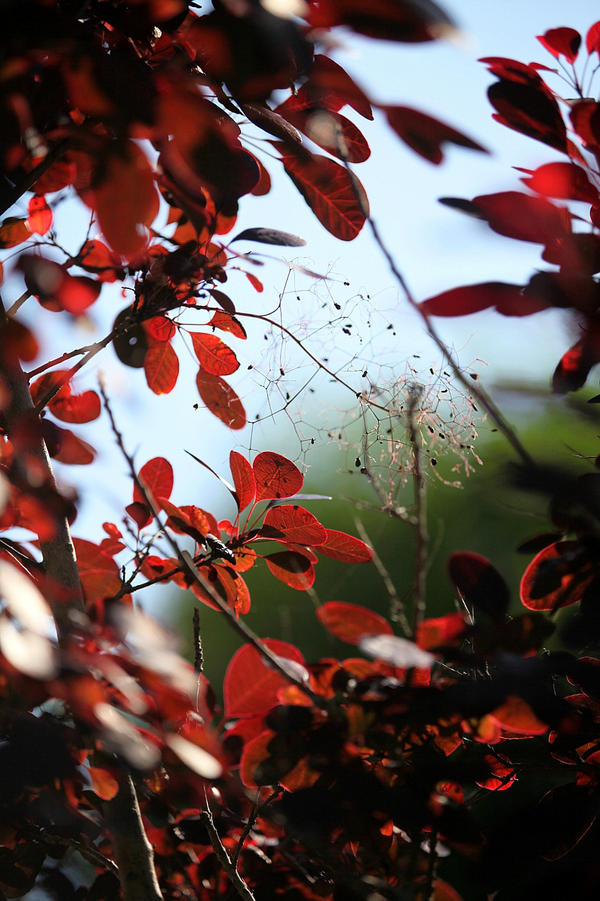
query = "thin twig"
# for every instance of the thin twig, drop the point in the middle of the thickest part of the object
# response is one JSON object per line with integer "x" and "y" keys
{"x": 192, "y": 572}
{"x": 88, "y": 852}
{"x": 476, "y": 391}
{"x": 397, "y": 613}
{"x": 224, "y": 859}
{"x": 420, "y": 511}
{"x": 28, "y": 180}
{"x": 198, "y": 650}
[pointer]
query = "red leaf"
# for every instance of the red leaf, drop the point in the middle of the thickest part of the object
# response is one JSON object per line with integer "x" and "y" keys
{"x": 426, "y": 135}
{"x": 45, "y": 383}
{"x": 479, "y": 583}
{"x": 255, "y": 282}
{"x": 60, "y": 174}
{"x": 157, "y": 476}
{"x": 221, "y": 399}
{"x": 13, "y": 231}
{"x": 565, "y": 181}
{"x": 40, "y": 215}
{"x": 76, "y": 293}
{"x": 507, "y": 299}
{"x": 346, "y": 548}
{"x": 243, "y": 479}
{"x": 99, "y": 573}
{"x": 223, "y": 300}
{"x": 502, "y": 773}
{"x": 263, "y": 185}
{"x": 276, "y": 477}
{"x": 329, "y": 130}
{"x": 126, "y": 199}
{"x": 574, "y": 366}
{"x": 161, "y": 367}
{"x": 388, "y": 21}
{"x": 290, "y": 523}
{"x": 441, "y": 631}
{"x": 592, "y": 38}
{"x": 228, "y": 323}
{"x": 71, "y": 449}
{"x": 522, "y": 217}
{"x": 250, "y": 686}
{"x": 351, "y": 622}
{"x": 104, "y": 784}
{"x": 83, "y": 407}
{"x": 517, "y": 716}
{"x": 97, "y": 258}
{"x": 215, "y": 357}
{"x": 329, "y": 191}
{"x": 160, "y": 328}
{"x": 292, "y": 568}
{"x": 555, "y": 577}
{"x": 334, "y": 87}
{"x": 561, "y": 42}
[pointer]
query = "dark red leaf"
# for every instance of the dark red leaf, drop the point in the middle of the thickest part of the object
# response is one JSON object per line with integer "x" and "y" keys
{"x": 505, "y": 298}
{"x": 13, "y": 232}
{"x": 328, "y": 190}
{"x": 214, "y": 356}
{"x": 575, "y": 365}
{"x": 83, "y": 407}
{"x": 161, "y": 367}
{"x": 415, "y": 21}
{"x": 479, "y": 583}
{"x": 329, "y": 130}
{"x": 250, "y": 686}
{"x": 223, "y": 301}
{"x": 243, "y": 479}
{"x": 426, "y": 135}
{"x": 292, "y": 568}
{"x": 290, "y": 523}
{"x": 276, "y": 477}
{"x": 522, "y": 217}
{"x": 441, "y": 631}
{"x": 351, "y": 622}
{"x": 555, "y": 577}
{"x": 565, "y": 181}
{"x": 346, "y": 548}
{"x": 334, "y": 88}
{"x": 221, "y": 399}
{"x": 530, "y": 109}
{"x": 561, "y": 42}
{"x": 157, "y": 476}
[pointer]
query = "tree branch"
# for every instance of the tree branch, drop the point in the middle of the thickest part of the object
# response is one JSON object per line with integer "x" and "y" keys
{"x": 420, "y": 511}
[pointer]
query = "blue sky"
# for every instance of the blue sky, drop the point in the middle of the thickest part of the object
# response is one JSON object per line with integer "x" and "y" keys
{"x": 435, "y": 247}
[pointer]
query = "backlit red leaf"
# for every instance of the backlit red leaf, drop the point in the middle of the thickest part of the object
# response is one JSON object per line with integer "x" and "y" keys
{"x": 40, "y": 216}
{"x": 592, "y": 38}
{"x": 575, "y": 364}
{"x": 83, "y": 407}
{"x": 388, "y": 21}
{"x": 351, "y": 622}
{"x": 555, "y": 577}
{"x": 502, "y": 773}
{"x": 565, "y": 181}
{"x": 221, "y": 399}
{"x": 157, "y": 476}
{"x": 329, "y": 130}
{"x": 561, "y": 42}
{"x": 243, "y": 479}
{"x": 76, "y": 293}
{"x": 71, "y": 449}
{"x": 426, "y": 135}
{"x": 99, "y": 573}
{"x": 333, "y": 87}
{"x": 289, "y": 522}
{"x": 161, "y": 367}
{"x": 346, "y": 548}
{"x": 228, "y": 323}
{"x": 522, "y": 217}
{"x": 126, "y": 199}
{"x": 275, "y": 476}
{"x": 250, "y": 686}
{"x": 292, "y": 568}
{"x": 329, "y": 190}
{"x": 516, "y": 715}
{"x": 213, "y": 354}
{"x": 441, "y": 631}
{"x": 97, "y": 258}
{"x": 160, "y": 328}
